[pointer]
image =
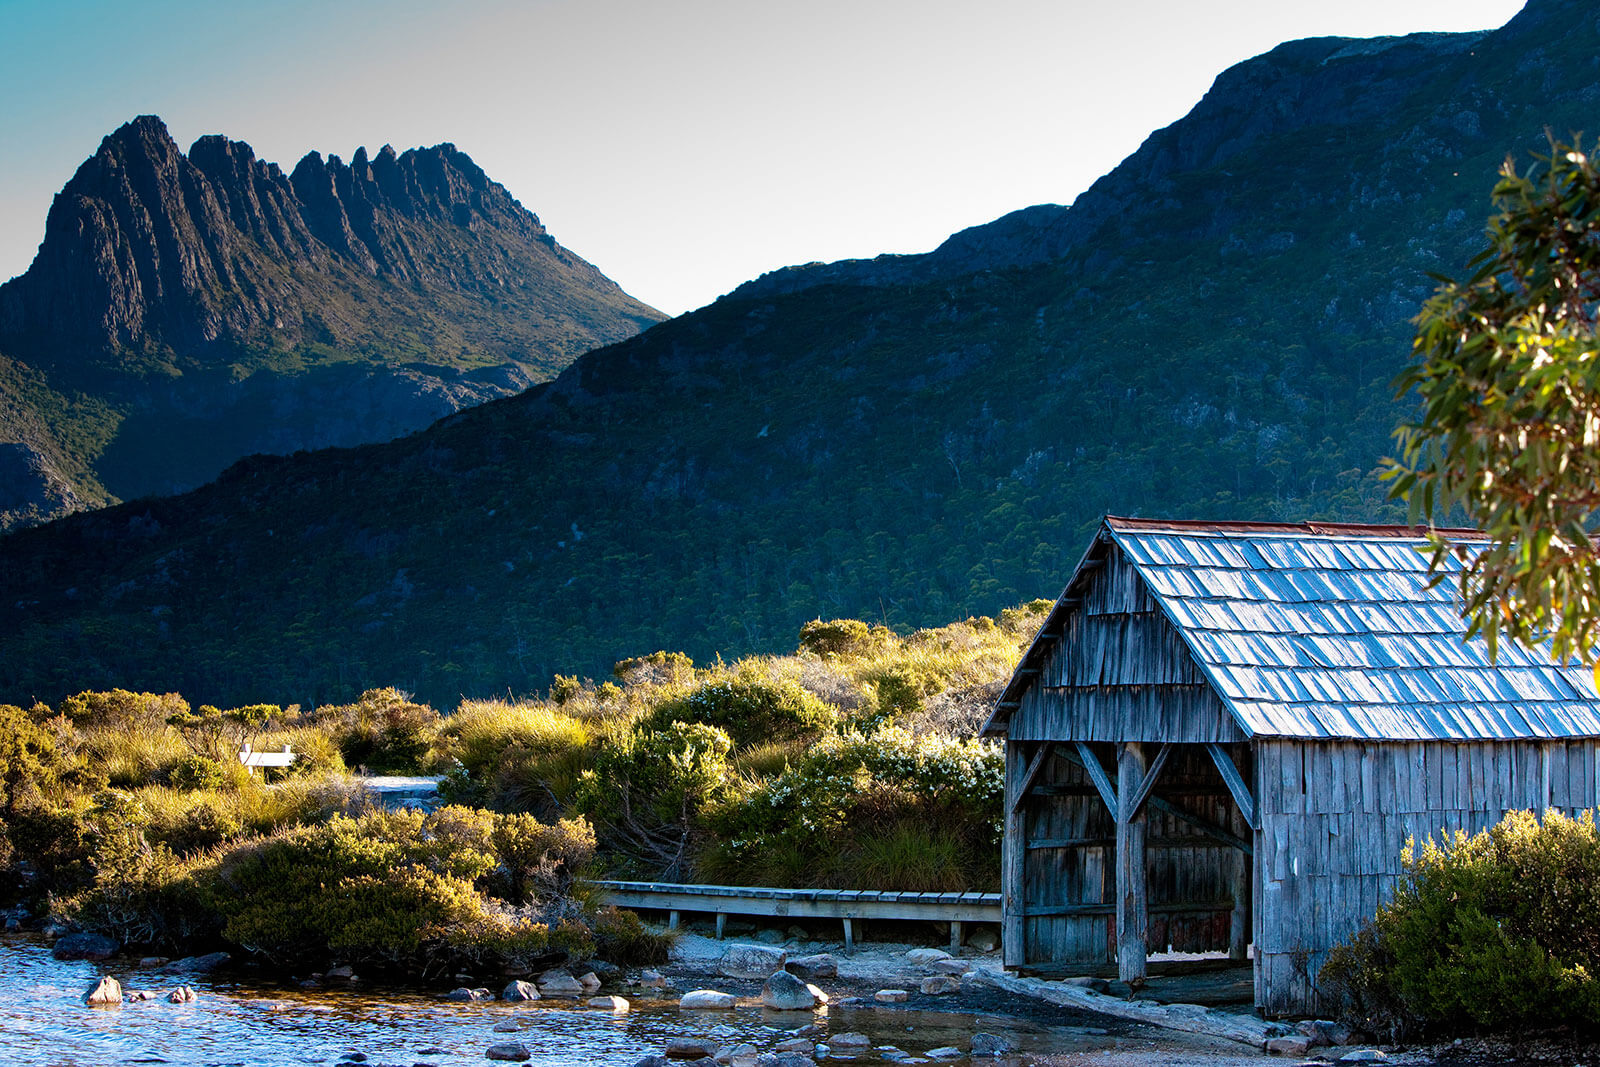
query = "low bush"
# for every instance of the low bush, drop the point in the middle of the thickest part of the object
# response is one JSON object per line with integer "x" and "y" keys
{"x": 620, "y": 937}
{"x": 1494, "y": 930}
{"x": 384, "y": 731}
{"x": 749, "y": 707}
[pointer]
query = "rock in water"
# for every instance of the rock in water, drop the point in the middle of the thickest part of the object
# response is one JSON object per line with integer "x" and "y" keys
{"x": 891, "y": 996}
{"x": 197, "y": 964}
{"x": 590, "y": 982}
{"x": 612, "y": 1004}
{"x": 708, "y": 1000}
{"x": 509, "y": 1050}
{"x": 558, "y": 983}
{"x": 520, "y": 990}
{"x": 692, "y": 1048}
{"x": 86, "y": 946}
{"x": 182, "y": 995}
{"x": 104, "y": 993}
{"x": 784, "y": 992}
{"x": 752, "y": 961}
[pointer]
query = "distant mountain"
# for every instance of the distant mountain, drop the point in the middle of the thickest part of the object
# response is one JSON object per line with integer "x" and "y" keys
{"x": 1208, "y": 332}
{"x": 186, "y": 310}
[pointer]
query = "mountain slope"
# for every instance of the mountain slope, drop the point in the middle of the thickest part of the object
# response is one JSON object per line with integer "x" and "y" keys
{"x": 186, "y": 310}
{"x": 1208, "y": 332}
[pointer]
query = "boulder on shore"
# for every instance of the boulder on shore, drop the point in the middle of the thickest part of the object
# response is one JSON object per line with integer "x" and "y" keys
{"x": 558, "y": 983}
{"x": 751, "y": 961}
{"x": 86, "y": 945}
{"x": 811, "y": 968}
{"x": 197, "y": 964}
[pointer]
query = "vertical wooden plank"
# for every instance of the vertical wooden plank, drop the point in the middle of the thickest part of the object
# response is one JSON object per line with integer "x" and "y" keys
{"x": 1013, "y": 853}
{"x": 1133, "y": 917}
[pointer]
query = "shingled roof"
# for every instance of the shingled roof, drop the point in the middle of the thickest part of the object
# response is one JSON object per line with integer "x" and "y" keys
{"x": 1329, "y": 630}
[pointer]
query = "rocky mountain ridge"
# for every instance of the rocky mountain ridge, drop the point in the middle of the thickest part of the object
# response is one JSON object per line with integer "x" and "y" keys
{"x": 194, "y": 293}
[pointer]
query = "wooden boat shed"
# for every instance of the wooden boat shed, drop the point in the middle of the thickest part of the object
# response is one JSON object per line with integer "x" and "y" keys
{"x": 1224, "y": 734}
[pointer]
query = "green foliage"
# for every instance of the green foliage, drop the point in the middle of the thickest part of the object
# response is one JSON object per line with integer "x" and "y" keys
{"x": 750, "y": 708}
{"x": 906, "y": 812}
{"x": 31, "y": 763}
{"x": 621, "y": 938}
{"x": 541, "y": 861}
{"x": 119, "y": 709}
{"x": 658, "y": 668}
{"x": 198, "y": 772}
{"x": 1508, "y": 374}
{"x": 842, "y": 637}
{"x": 1492, "y": 930}
{"x": 383, "y": 731}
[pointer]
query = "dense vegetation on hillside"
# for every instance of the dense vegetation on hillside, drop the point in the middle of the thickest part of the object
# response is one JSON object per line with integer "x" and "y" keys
{"x": 850, "y": 763}
{"x": 1209, "y": 332}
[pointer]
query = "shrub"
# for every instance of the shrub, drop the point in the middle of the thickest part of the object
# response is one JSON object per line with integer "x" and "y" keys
{"x": 121, "y": 709}
{"x": 751, "y": 709}
{"x": 1491, "y": 930}
{"x": 843, "y": 637}
{"x": 621, "y": 938}
{"x": 382, "y": 731}
{"x": 541, "y": 861}
{"x": 197, "y": 772}
{"x": 658, "y": 668}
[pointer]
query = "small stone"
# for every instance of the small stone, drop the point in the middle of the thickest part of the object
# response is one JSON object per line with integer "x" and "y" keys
{"x": 558, "y": 983}
{"x": 508, "y": 1051}
{"x": 611, "y": 1004}
{"x": 708, "y": 1000}
{"x": 143, "y": 994}
{"x": 104, "y": 993}
{"x": 809, "y": 1030}
{"x": 462, "y": 993}
{"x": 849, "y": 1041}
{"x": 652, "y": 979}
{"x": 784, "y": 1059}
{"x": 691, "y": 1048}
{"x": 590, "y": 982}
{"x": 743, "y": 1054}
{"x": 940, "y": 984}
{"x": 784, "y": 992}
{"x": 520, "y": 990}
{"x": 153, "y": 961}
{"x": 795, "y": 1044}
{"x": 924, "y": 956}
{"x": 656, "y": 1060}
{"x": 344, "y": 971}
{"x": 751, "y": 961}
{"x": 811, "y": 968}
{"x": 506, "y": 1028}
{"x": 1364, "y": 1055}
{"x": 182, "y": 995}
{"x": 1293, "y": 1045}
{"x": 983, "y": 939}
{"x": 86, "y": 946}
{"x": 770, "y": 936}
{"x": 950, "y": 966}
{"x": 990, "y": 1045}
{"x": 891, "y": 996}
{"x": 944, "y": 1052}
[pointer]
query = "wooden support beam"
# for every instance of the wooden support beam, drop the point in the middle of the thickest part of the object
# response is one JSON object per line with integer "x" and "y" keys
{"x": 849, "y": 937}
{"x": 672, "y": 920}
{"x": 1035, "y": 765}
{"x": 1143, "y": 791}
{"x": 1204, "y": 826}
{"x": 1239, "y": 921}
{"x": 955, "y": 938}
{"x": 1235, "y": 783}
{"x": 1013, "y": 862}
{"x": 1097, "y": 774}
{"x": 1186, "y": 907}
{"x": 1133, "y": 906}
{"x": 1071, "y": 842}
{"x": 722, "y": 921}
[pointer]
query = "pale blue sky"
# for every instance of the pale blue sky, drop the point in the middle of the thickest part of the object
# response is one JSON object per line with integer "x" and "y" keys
{"x": 683, "y": 146}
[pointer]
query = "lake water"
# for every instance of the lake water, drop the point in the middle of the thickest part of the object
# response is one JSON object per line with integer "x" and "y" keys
{"x": 43, "y": 1021}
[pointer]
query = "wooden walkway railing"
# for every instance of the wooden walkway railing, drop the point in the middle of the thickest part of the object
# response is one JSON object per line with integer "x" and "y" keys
{"x": 843, "y": 904}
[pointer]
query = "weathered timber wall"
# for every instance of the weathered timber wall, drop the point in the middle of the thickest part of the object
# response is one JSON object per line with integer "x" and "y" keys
{"x": 1120, "y": 673}
{"x": 1335, "y": 818}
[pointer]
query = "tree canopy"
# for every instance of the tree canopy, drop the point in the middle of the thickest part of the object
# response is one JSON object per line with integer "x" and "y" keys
{"x": 1507, "y": 367}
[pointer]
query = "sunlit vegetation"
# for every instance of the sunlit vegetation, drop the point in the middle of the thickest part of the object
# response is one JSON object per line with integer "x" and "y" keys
{"x": 851, "y": 762}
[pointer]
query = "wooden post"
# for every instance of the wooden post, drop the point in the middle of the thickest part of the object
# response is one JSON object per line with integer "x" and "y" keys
{"x": 1133, "y": 907}
{"x": 1013, "y": 855}
{"x": 722, "y": 920}
{"x": 1239, "y": 926}
{"x": 955, "y": 937}
{"x": 672, "y": 920}
{"x": 849, "y": 936}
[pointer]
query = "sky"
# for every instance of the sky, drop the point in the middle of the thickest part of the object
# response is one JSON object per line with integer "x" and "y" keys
{"x": 682, "y": 146}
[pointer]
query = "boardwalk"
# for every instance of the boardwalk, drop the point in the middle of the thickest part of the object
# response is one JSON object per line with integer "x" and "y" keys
{"x": 843, "y": 904}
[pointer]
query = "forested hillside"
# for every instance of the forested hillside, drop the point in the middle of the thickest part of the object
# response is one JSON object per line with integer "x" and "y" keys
{"x": 1209, "y": 332}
